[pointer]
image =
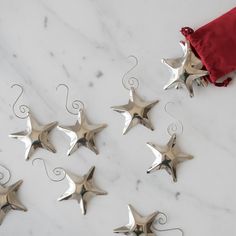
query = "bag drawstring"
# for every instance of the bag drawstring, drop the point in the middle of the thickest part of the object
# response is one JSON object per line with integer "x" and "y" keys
{"x": 225, "y": 83}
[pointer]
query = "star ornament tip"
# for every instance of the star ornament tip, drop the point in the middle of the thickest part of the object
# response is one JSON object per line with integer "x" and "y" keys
{"x": 138, "y": 224}
{"x": 166, "y": 158}
{"x": 9, "y": 200}
{"x": 136, "y": 111}
{"x": 82, "y": 134}
{"x": 35, "y": 136}
{"x": 81, "y": 189}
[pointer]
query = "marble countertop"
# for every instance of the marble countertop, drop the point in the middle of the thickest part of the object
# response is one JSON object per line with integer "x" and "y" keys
{"x": 85, "y": 44}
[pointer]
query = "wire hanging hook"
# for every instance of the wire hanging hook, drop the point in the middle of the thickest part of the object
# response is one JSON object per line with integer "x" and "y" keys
{"x": 2, "y": 175}
{"x": 170, "y": 229}
{"x": 162, "y": 220}
{"x": 132, "y": 82}
{"x": 76, "y": 104}
{"x": 24, "y": 109}
{"x": 58, "y": 171}
{"x": 174, "y": 126}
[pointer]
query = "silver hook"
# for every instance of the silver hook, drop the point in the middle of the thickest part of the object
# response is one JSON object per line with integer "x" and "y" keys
{"x": 58, "y": 171}
{"x": 76, "y": 104}
{"x": 22, "y": 108}
{"x": 174, "y": 126}
{"x": 171, "y": 229}
{"x": 2, "y": 176}
{"x": 132, "y": 82}
{"x": 163, "y": 220}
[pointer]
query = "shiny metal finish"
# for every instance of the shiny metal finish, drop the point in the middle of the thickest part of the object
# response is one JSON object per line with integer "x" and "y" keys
{"x": 81, "y": 189}
{"x": 186, "y": 70}
{"x": 36, "y": 136}
{"x": 138, "y": 225}
{"x": 166, "y": 158}
{"x": 9, "y": 201}
{"x": 82, "y": 133}
{"x": 136, "y": 111}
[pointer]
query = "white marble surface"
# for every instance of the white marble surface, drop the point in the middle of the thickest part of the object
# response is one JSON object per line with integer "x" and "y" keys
{"x": 84, "y": 43}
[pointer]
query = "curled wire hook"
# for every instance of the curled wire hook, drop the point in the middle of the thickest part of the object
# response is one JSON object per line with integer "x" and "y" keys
{"x": 2, "y": 176}
{"x": 170, "y": 229}
{"x": 22, "y": 108}
{"x": 132, "y": 82}
{"x": 58, "y": 171}
{"x": 162, "y": 219}
{"x": 76, "y": 104}
{"x": 174, "y": 126}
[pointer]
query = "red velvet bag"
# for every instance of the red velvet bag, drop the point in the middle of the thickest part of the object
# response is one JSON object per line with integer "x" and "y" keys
{"x": 215, "y": 44}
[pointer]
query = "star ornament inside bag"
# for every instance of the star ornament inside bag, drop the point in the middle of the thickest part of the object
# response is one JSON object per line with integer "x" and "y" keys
{"x": 215, "y": 45}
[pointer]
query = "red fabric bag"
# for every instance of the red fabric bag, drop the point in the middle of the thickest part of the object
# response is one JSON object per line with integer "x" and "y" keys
{"x": 215, "y": 44}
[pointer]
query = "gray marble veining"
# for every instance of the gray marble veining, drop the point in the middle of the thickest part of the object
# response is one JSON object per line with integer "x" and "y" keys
{"x": 84, "y": 43}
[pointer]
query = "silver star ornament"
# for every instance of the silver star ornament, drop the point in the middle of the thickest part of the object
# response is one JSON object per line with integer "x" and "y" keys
{"x": 138, "y": 225}
{"x": 186, "y": 70}
{"x": 9, "y": 201}
{"x": 167, "y": 158}
{"x": 136, "y": 111}
{"x": 81, "y": 189}
{"x": 35, "y": 136}
{"x": 82, "y": 133}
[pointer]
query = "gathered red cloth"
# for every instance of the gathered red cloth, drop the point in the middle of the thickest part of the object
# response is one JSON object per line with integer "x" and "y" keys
{"x": 215, "y": 44}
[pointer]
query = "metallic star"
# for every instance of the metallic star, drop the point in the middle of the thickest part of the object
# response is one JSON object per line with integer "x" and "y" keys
{"x": 81, "y": 189}
{"x": 186, "y": 70}
{"x": 36, "y": 136}
{"x": 166, "y": 158}
{"x": 135, "y": 112}
{"x": 82, "y": 134}
{"x": 8, "y": 199}
{"x": 138, "y": 225}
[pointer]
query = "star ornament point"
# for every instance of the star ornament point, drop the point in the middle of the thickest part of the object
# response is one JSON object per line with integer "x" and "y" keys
{"x": 166, "y": 158}
{"x": 82, "y": 134}
{"x": 138, "y": 225}
{"x": 35, "y": 136}
{"x": 186, "y": 70}
{"x": 81, "y": 189}
{"x": 136, "y": 112}
{"x": 9, "y": 200}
